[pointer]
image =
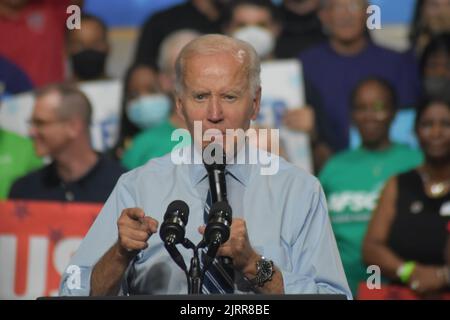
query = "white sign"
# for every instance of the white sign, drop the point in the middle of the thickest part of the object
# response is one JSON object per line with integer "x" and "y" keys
{"x": 105, "y": 97}
{"x": 283, "y": 89}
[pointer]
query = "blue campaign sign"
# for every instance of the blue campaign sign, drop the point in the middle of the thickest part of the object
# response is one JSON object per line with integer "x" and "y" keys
{"x": 129, "y": 13}
{"x": 395, "y": 11}
{"x": 132, "y": 13}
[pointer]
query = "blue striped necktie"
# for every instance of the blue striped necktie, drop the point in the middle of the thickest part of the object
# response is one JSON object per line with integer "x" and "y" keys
{"x": 219, "y": 278}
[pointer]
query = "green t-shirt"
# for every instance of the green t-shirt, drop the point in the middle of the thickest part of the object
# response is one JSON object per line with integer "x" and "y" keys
{"x": 17, "y": 158}
{"x": 352, "y": 181}
{"x": 152, "y": 143}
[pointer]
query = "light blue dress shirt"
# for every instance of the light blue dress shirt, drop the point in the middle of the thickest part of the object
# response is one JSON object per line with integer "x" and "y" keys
{"x": 285, "y": 214}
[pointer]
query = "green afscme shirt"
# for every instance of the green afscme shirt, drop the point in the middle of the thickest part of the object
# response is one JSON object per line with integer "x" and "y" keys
{"x": 352, "y": 181}
{"x": 153, "y": 143}
{"x": 17, "y": 158}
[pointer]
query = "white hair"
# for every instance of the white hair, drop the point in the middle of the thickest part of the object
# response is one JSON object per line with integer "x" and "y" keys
{"x": 216, "y": 43}
{"x": 174, "y": 42}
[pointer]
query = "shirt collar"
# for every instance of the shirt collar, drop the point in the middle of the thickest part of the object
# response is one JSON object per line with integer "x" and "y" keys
{"x": 238, "y": 170}
{"x": 52, "y": 177}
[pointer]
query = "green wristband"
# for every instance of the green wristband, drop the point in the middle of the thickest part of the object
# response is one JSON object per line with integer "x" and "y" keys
{"x": 405, "y": 271}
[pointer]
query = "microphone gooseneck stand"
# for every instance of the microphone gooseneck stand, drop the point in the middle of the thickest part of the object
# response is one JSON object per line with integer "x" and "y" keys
{"x": 196, "y": 273}
{"x": 216, "y": 233}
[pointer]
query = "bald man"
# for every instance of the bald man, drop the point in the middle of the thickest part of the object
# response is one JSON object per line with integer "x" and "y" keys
{"x": 280, "y": 239}
{"x": 59, "y": 128}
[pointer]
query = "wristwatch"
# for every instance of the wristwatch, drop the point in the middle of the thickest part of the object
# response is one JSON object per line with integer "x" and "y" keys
{"x": 264, "y": 272}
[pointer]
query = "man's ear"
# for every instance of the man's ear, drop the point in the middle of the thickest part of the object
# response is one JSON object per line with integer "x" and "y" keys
{"x": 75, "y": 126}
{"x": 179, "y": 107}
{"x": 256, "y": 104}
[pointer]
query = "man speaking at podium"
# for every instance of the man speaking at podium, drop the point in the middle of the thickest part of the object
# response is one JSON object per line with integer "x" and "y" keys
{"x": 280, "y": 237}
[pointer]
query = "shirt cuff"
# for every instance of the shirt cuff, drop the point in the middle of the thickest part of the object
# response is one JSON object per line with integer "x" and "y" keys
{"x": 76, "y": 281}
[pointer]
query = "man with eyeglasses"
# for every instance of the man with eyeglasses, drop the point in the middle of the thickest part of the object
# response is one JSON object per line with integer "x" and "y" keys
{"x": 59, "y": 128}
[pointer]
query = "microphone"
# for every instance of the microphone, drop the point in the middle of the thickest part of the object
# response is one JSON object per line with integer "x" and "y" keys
{"x": 217, "y": 183}
{"x": 220, "y": 215}
{"x": 216, "y": 177}
{"x": 173, "y": 229}
{"x": 217, "y": 229}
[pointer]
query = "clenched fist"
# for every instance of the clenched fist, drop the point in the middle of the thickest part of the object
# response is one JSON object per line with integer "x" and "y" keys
{"x": 238, "y": 247}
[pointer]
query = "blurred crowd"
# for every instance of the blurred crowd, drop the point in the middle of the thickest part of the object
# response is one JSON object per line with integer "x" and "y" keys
{"x": 388, "y": 199}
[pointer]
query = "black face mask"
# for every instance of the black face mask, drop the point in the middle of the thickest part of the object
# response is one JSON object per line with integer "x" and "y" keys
{"x": 88, "y": 64}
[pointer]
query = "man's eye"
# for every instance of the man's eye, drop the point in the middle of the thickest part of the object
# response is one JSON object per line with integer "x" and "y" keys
{"x": 230, "y": 98}
{"x": 199, "y": 97}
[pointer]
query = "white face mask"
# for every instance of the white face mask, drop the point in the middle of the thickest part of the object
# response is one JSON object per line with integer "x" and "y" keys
{"x": 262, "y": 40}
{"x": 149, "y": 110}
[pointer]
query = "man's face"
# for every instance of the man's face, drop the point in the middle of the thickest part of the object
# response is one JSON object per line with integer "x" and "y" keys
{"x": 217, "y": 93}
{"x": 255, "y": 25}
{"x": 143, "y": 81}
{"x": 50, "y": 134}
{"x": 249, "y": 15}
{"x": 437, "y": 76}
{"x": 90, "y": 36}
{"x": 345, "y": 19}
{"x": 436, "y": 15}
{"x": 88, "y": 50}
{"x": 438, "y": 65}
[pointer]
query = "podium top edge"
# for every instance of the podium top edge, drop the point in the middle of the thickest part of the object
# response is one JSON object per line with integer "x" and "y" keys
{"x": 192, "y": 297}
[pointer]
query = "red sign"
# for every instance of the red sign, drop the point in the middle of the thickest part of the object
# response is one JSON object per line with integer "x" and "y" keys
{"x": 393, "y": 292}
{"x": 37, "y": 240}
